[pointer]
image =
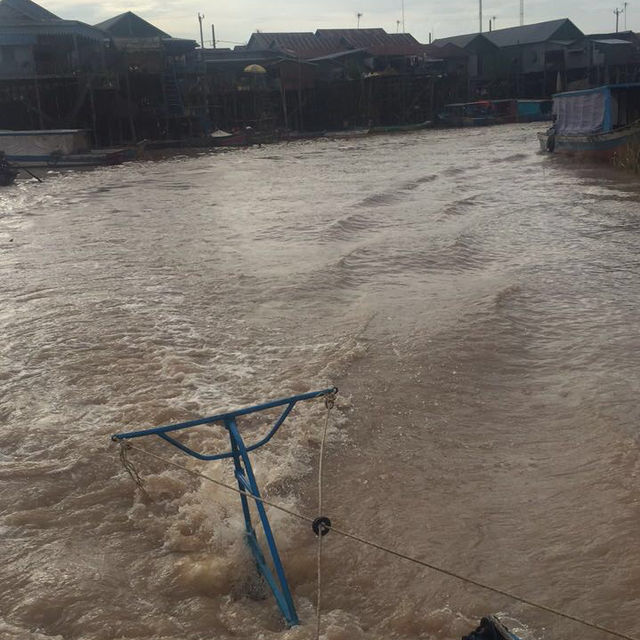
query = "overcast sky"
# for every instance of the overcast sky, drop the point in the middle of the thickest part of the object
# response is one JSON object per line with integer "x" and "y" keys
{"x": 236, "y": 20}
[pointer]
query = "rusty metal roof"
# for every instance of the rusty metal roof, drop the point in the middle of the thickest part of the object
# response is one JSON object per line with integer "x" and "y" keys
{"x": 299, "y": 44}
{"x": 326, "y": 42}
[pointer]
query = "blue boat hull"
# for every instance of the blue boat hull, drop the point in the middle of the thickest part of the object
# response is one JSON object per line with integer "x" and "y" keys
{"x": 601, "y": 146}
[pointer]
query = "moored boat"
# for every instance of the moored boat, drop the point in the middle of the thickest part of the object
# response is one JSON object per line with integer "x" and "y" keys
{"x": 534, "y": 110}
{"x": 221, "y": 138}
{"x": 347, "y": 133}
{"x": 61, "y": 148}
{"x": 594, "y": 123}
{"x": 468, "y": 114}
{"x": 504, "y": 111}
{"x": 396, "y": 128}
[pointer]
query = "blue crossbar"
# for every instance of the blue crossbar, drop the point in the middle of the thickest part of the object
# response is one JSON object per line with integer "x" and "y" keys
{"x": 247, "y": 482}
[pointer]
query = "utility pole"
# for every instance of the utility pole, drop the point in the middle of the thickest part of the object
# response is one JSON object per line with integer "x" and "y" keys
{"x": 617, "y": 13}
{"x": 213, "y": 36}
{"x": 200, "y": 19}
{"x": 626, "y": 4}
{"x": 403, "y": 31}
{"x": 521, "y": 13}
{"x": 397, "y": 26}
{"x": 480, "y": 14}
{"x": 358, "y": 16}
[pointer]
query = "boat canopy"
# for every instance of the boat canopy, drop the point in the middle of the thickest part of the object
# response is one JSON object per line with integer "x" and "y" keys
{"x": 583, "y": 112}
{"x": 598, "y": 110}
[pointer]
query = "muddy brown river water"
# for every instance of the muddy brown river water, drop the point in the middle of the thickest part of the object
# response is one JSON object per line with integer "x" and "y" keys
{"x": 477, "y": 304}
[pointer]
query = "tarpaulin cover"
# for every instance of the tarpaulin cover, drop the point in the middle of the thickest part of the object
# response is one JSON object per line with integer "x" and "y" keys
{"x": 580, "y": 113}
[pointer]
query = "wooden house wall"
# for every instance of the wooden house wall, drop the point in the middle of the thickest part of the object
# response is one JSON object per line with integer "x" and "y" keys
{"x": 16, "y": 61}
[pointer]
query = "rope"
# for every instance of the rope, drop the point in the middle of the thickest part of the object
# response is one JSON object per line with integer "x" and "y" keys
{"x": 329, "y": 401}
{"x": 422, "y": 563}
{"x": 130, "y": 468}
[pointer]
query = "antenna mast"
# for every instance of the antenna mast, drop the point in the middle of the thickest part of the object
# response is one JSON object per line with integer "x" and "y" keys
{"x": 480, "y": 14}
{"x": 521, "y": 13}
{"x": 624, "y": 9}
{"x": 617, "y": 14}
{"x": 200, "y": 19}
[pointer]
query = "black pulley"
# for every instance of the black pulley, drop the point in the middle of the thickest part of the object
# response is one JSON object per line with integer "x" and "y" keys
{"x": 321, "y": 526}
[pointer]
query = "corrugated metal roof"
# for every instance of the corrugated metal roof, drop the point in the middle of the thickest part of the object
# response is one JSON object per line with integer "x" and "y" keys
{"x": 340, "y": 54}
{"x": 445, "y": 51}
{"x": 458, "y": 41}
{"x": 54, "y": 28}
{"x": 527, "y": 34}
{"x": 130, "y": 25}
{"x": 302, "y": 44}
{"x": 375, "y": 41}
{"x": 26, "y": 19}
{"x": 29, "y": 10}
{"x": 613, "y": 41}
{"x": 530, "y": 33}
{"x": 604, "y": 87}
{"x": 326, "y": 42}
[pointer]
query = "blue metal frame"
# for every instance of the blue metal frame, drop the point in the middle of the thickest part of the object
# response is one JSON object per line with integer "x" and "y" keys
{"x": 246, "y": 482}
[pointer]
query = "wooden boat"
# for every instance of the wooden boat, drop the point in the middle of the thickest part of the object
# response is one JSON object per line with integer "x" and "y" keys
{"x": 290, "y": 136}
{"x": 534, "y": 110}
{"x": 396, "y": 128}
{"x": 346, "y": 133}
{"x": 594, "y": 123}
{"x": 221, "y": 138}
{"x": 504, "y": 111}
{"x": 468, "y": 114}
{"x": 61, "y": 148}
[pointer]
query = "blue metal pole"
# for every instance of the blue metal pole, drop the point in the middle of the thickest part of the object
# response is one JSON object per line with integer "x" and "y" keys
{"x": 221, "y": 416}
{"x": 240, "y": 475}
{"x": 284, "y": 599}
{"x": 246, "y": 481}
